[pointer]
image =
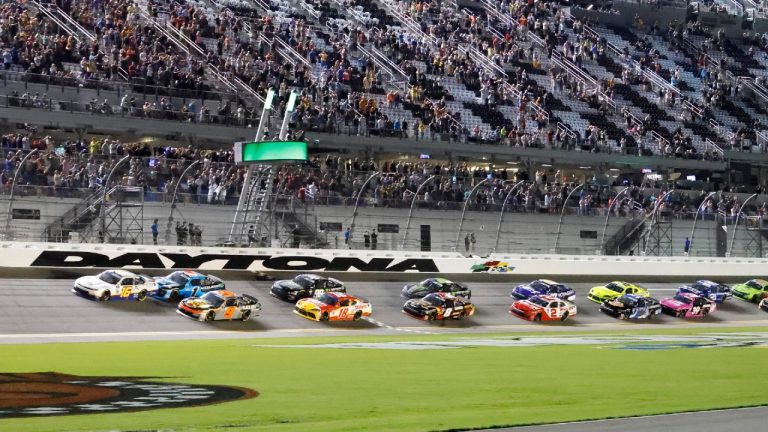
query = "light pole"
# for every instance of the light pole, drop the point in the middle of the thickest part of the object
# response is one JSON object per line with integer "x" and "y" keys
{"x": 695, "y": 218}
{"x": 736, "y": 225}
{"x": 608, "y": 216}
{"x": 105, "y": 188}
{"x": 464, "y": 210}
{"x": 562, "y": 213}
{"x": 357, "y": 202}
{"x": 173, "y": 201}
{"x": 9, "y": 215}
{"x": 501, "y": 215}
{"x": 656, "y": 205}
{"x": 410, "y": 212}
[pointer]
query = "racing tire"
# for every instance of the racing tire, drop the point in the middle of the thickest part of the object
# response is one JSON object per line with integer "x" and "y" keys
{"x": 564, "y": 317}
{"x": 537, "y": 317}
{"x": 431, "y": 316}
{"x": 174, "y": 296}
{"x": 142, "y": 295}
{"x": 324, "y": 316}
{"x": 246, "y": 316}
{"x": 753, "y": 299}
{"x": 681, "y": 314}
{"x": 105, "y": 296}
{"x": 704, "y": 311}
{"x": 357, "y": 316}
{"x": 209, "y": 316}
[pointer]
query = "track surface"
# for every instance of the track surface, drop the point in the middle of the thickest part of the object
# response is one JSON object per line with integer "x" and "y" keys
{"x": 732, "y": 420}
{"x": 44, "y": 310}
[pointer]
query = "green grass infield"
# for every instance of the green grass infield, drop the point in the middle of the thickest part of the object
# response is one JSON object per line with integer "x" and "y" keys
{"x": 374, "y": 389}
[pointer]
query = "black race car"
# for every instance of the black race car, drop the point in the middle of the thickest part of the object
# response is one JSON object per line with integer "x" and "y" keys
{"x": 433, "y": 285}
{"x": 305, "y": 285}
{"x": 631, "y": 306}
{"x": 439, "y": 306}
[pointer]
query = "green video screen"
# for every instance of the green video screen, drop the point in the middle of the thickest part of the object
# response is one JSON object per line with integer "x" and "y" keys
{"x": 266, "y": 151}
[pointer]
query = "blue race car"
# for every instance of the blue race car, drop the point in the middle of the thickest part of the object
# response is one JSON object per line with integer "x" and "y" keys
{"x": 183, "y": 284}
{"x": 714, "y": 291}
{"x": 543, "y": 287}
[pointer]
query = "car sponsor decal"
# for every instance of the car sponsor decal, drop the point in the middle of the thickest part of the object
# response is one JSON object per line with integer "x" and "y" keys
{"x": 640, "y": 342}
{"x": 149, "y": 260}
{"x": 51, "y": 393}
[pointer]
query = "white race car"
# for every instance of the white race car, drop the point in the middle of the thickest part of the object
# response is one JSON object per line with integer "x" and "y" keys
{"x": 115, "y": 285}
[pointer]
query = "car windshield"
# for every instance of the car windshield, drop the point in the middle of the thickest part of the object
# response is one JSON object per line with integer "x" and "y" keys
{"x": 179, "y": 278}
{"x": 303, "y": 281}
{"x": 628, "y": 301}
{"x": 538, "y": 301}
{"x": 213, "y": 300}
{"x": 615, "y": 287}
{"x": 432, "y": 284}
{"x": 539, "y": 286}
{"x": 753, "y": 284}
{"x": 110, "y": 277}
{"x": 682, "y": 299}
{"x": 328, "y": 299}
{"x": 433, "y": 300}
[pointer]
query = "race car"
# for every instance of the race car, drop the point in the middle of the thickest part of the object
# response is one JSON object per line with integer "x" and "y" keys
{"x": 432, "y": 285}
{"x": 687, "y": 305}
{"x": 543, "y": 308}
{"x": 613, "y": 290}
{"x": 115, "y": 285}
{"x": 333, "y": 306}
{"x": 631, "y": 306}
{"x": 439, "y": 306}
{"x": 183, "y": 284}
{"x": 305, "y": 285}
{"x": 714, "y": 291}
{"x": 219, "y": 305}
{"x": 764, "y": 304}
{"x": 543, "y": 287}
{"x": 752, "y": 290}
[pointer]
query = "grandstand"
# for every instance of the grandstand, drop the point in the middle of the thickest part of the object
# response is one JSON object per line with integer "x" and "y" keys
{"x": 604, "y": 94}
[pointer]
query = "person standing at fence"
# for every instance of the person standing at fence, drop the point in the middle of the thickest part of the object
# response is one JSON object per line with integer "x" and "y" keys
{"x": 367, "y": 240}
{"x": 466, "y": 243}
{"x": 374, "y": 240}
{"x": 347, "y": 235}
{"x": 686, "y": 246}
{"x": 472, "y": 241}
{"x": 154, "y": 232}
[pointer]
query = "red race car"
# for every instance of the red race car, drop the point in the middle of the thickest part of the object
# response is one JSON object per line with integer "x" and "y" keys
{"x": 333, "y": 306}
{"x": 543, "y": 308}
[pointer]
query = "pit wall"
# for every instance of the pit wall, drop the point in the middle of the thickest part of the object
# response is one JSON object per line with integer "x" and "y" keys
{"x": 68, "y": 260}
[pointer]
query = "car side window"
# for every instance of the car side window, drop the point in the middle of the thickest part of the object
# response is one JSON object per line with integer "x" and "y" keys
{"x": 195, "y": 282}
{"x": 230, "y": 302}
{"x": 127, "y": 281}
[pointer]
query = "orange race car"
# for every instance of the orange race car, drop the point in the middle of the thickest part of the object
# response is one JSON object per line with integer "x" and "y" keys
{"x": 333, "y": 306}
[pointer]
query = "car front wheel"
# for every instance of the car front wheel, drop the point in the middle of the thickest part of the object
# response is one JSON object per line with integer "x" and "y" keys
{"x": 210, "y": 316}
{"x": 537, "y": 317}
{"x": 105, "y": 296}
{"x": 324, "y": 316}
{"x": 174, "y": 296}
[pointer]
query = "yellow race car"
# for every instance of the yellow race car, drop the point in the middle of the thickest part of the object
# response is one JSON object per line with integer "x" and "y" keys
{"x": 614, "y": 290}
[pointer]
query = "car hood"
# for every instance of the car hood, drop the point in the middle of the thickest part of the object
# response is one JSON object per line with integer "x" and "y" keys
{"x": 166, "y": 283}
{"x": 601, "y": 291}
{"x": 92, "y": 282}
{"x": 196, "y": 303}
{"x": 672, "y": 303}
{"x": 288, "y": 285}
{"x": 311, "y": 303}
{"x": 525, "y": 306}
{"x": 742, "y": 288}
{"x": 524, "y": 291}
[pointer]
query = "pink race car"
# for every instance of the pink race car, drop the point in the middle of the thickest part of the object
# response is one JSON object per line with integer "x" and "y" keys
{"x": 687, "y": 305}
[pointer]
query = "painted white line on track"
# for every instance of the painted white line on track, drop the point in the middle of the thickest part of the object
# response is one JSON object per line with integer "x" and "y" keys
{"x": 685, "y": 413}
{"x": 404, "y": 329}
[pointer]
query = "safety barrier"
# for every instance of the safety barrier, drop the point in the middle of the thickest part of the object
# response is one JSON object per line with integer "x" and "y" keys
{"x": 62, "y": 260}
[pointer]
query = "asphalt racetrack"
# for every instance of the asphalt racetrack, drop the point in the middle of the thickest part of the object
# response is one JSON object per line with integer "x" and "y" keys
{"x": 45, "y": 310}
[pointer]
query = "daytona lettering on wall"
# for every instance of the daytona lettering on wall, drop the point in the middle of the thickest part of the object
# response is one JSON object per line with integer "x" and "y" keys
{"x": 149, "y": 260}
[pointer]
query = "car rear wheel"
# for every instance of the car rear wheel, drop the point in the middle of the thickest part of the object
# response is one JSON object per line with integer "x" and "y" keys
{"x": 431, "y": 316}
{"x": 704, "y": 311}
{"x": 358, "y": 315}
{"x": 537, "y": 317}
{"x": 142, "y": 295}
{"x": 105, "y": 296}
{"x": 174, "y": 296}
{"x": 324, "y": 316}
{"x": 210, "y": 316}
{"x": 564, "y": 317}
{"x": 246, "y": 315}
